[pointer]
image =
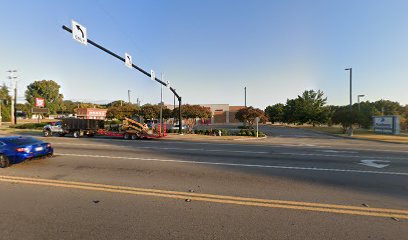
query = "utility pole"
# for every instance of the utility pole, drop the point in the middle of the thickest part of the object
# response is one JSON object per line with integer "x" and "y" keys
{"x": 129, "y": 95}
{"x": 245, "y": 96}
{"x": 350, "y": 133}
{"x": 13, "y": 104}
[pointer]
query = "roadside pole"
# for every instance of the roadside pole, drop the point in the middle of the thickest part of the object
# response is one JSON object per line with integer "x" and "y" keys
{"x": 161, "y": 105}
{"x": 15, "y": 105}
{"x": 1, "y": 103}
{"x": 257, "y": 121}
{"x": 88, "y": 41}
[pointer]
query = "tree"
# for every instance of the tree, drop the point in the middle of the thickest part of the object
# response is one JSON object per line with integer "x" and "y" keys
{"x": 68, "y": 107}
{"x": 25, "y": 108}
{"x": 387, "y": 107}
{"x": 149, "y": 111}
{"x": 191, "y": 112}
{"x": 275, "y": 113}
{"x": 47, "y": 89}
{"x": 248, "y": 115}
{"x": 364, "y": 115}
{"x": 121, "y": 112}
{"x": 5, "y": 101}
{"x": 307, "y": 108}
{"x": 343, "y": 117}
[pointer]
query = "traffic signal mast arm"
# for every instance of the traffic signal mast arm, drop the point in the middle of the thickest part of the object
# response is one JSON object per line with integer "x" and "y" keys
{"x": 123, "y": 60}
{"x": 136, "y": 67}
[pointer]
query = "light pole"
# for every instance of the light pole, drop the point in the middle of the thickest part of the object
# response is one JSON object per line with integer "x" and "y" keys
{"x": 350, "y": 131}
{"x": 129, "y": 96}
{"x": 174, "y": 100}
{"x": 358, "y": 100}
{"x": 161, "y": 106}
{"x": 245, "y": 95}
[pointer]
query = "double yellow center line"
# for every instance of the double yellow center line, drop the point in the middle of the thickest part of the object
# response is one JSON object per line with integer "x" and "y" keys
{"x": 306, "y": 206}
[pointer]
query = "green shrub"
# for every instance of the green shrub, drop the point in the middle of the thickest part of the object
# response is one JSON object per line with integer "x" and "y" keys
{"x": 38, "y": 126}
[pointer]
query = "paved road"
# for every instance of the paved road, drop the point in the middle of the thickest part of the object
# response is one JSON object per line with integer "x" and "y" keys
{"x": 284, "y": 187}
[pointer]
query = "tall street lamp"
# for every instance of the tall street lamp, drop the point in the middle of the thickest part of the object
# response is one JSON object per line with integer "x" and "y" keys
{"x": 358, "y": 100}
{"x": 350, "y": 131}
{"x": 245, "y": 95}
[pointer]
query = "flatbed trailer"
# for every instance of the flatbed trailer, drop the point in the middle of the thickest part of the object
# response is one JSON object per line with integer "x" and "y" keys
{"x": 127, "y": 135}
{"x": 90, "y": 127}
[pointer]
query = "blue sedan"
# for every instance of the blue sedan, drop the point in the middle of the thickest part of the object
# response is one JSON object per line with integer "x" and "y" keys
{"x": 16, "y": 149}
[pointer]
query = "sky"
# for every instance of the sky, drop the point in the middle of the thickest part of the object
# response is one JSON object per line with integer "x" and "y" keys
{"x": 210, "y": 50}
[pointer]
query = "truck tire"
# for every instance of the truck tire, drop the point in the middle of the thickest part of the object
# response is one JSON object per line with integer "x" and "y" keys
{"x": 126, "y": 136}
{"x": 4, "y": 161}
{"x": 47, "y": 133}
{"x": 134, "y": 137}
{"x": 76, "y": 134}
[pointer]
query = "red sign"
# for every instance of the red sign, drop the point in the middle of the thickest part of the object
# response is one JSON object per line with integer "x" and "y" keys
{"x": 39, "y": 102}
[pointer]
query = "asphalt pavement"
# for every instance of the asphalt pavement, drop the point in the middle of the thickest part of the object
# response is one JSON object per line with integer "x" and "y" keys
{"x": 296, "y": 184}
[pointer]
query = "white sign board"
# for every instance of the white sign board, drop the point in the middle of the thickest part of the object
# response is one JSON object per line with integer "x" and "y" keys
{"x": 152, "y": 75}
{"x": 128, "y": 60}
{"x": 39, "y": 102}
{"x": 386, "y": 124}
{"x": 257, "y": 119}
{"x": 79, "y": 33}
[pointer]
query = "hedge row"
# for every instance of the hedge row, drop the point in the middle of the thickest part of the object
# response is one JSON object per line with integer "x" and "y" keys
{"x": 38, "y": 126}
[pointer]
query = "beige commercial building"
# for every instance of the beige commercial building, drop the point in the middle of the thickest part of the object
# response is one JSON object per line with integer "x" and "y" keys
{"x": 221, "y": 113}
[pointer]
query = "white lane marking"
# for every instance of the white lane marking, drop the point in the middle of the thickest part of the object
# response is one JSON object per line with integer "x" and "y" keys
{"x": 238, "y": 164}
{"x": 335, "y": 151}
{"x": 336, "y": 155}
{"x": 234, "y": 151}
{"x": 374, "y": 163}
{"x": 169, "y": 148}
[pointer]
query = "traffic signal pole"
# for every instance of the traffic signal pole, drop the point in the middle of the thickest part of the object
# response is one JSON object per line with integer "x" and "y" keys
{"x": 137, "y": 68}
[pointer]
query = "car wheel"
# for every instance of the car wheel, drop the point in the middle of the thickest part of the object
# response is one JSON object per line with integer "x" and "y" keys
{"x": 126, "y": 136}
{"x": 47, "y": 133}
{"x": 76, "y": 134}
{"x": 4, "y": 161}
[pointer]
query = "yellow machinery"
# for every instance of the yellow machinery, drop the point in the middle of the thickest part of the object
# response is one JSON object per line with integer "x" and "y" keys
{"x": 133, "y": 129}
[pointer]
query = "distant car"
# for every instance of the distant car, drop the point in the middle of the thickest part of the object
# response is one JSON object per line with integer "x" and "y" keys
{"x": 17, "y": 149}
